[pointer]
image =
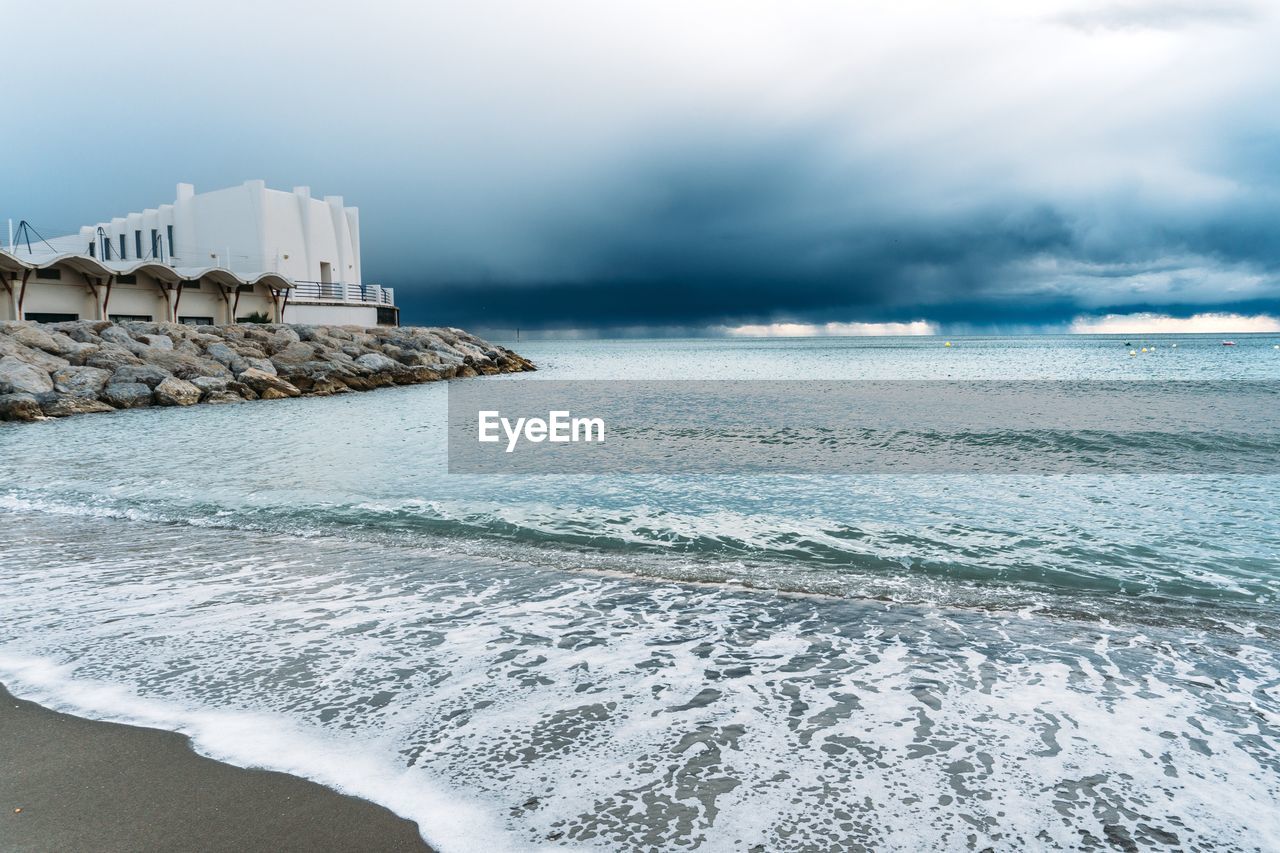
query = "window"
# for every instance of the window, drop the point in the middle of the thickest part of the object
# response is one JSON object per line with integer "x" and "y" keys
{"x": 123, "y": 256}
{"x": 93, "y": 250}
{"x": 49, "y": 274}
{"x": 127, "y": 279}
{"x": 155, "y": 243}
{"x": 137, "y": 243}
{"x": 38, "y": 317}
{"x": 191, "y": 285}
{"x": 171, "y": 252}
{"x": 196, "y": 321}
{"x": 126, "y": 318}
{"x": 245, "y": 288}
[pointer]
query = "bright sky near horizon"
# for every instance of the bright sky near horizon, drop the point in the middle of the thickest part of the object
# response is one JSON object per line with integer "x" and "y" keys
{"x": 693, "y": 166}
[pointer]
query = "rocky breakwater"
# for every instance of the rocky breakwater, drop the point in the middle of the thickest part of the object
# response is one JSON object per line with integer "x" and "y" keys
{"x": 56, "y": 369}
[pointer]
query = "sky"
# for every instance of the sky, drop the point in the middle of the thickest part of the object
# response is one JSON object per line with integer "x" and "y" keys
{"x": 602, "y": 168}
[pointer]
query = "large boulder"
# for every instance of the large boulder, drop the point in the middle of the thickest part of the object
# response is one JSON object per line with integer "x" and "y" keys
{"x": 378, "y": 362}
{"x": 62, "y": 405}
{"x": 176, "y": 392}
{"x": 80, "y": 381}
{"x": 34, "y": 336}
{"x": 318, "y": 378}
{"x": 268, "y": 386}
{"x": 120, "y": 336}
{"x": 16, "y": 376}
{"x": 294, "y": 353}
{"x": 146, "y": 374}
{"x": 30, "y": 355}
{"x": 20, "y": 407}
{"x": 127, "y": 395}
{"x": 281, "y": 338}
{"x": 112, "y": 357}
{"x": 263, "y": 364}
{"x": 186, "y": 366}
{"x": 222, "y": 353}
{"x": 82, "y": 333}
{"x": 163, "y": 342}
{"x": 210, "y": 383}
{"x": 214, "y": 388}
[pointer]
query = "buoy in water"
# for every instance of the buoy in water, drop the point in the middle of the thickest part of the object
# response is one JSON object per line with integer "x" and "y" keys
{"x": 1144, "y": 349}
{"x": 947, "y": 344}
{"x": 1133, "y": 352}
{"x": 1228, "y": 343}
{"x": 1175, "y": 346}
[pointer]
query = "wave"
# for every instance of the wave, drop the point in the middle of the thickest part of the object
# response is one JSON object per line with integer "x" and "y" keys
{"x": 951, "y": 564}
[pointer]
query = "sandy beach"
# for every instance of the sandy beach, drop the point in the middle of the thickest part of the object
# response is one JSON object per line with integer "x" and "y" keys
{"x": 76, "y": 784}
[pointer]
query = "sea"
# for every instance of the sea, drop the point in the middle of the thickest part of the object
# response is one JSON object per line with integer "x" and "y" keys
{"x": 637, "y": 662}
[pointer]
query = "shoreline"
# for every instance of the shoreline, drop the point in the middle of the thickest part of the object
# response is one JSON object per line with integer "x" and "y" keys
{"x": 72, "y": 783}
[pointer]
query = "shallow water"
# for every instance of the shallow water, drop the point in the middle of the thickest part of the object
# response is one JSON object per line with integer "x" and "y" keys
{"x": 795, "y": 662}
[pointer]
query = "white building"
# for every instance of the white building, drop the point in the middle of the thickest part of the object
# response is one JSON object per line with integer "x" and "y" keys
{"x": 213, "y": 257}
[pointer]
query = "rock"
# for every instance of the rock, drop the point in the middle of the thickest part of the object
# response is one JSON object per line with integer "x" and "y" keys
{"x": 210, "y": 384}
{"x": 127, "y": 395}
{"x": 318, "y": 378}
{"x": 186, "y": 366}
{"x": 157, "y": 341}
{"x": 295, "y": 353}
{"x": 80, "y": 381}
{"x": 262, "y": 383}
{"x": 112, "y": 357}
{"x": 222, "y": 354}
{"x": 20, "y": 407}
{"x": 176, "y": 392}
{"x": 262, "y": 364}
{"x": 62, "y": 405}
{"x": 377, "y": 361}
{"x": 34, "y": 336}
{"x": 83, "y": 334}
{"x": 427, "y": 373}
{"x": 222, "y": 397}
{"x": 146, "y": 374}
{"x": 274, "y": 394}
{"x": 17, "y": 376}
{"x": 30, "y": 355}
{"x": 282, "y": 338}
{"x": 83, "y": 353}
{"x": 117, "y": 335}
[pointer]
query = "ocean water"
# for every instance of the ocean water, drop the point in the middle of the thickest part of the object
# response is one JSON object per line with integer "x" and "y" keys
{"x": 799, "y": 662}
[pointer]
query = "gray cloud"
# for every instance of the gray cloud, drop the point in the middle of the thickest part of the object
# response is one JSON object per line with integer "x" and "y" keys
{"x": 623, "y": 165}
{"x": 1159, "y": 15}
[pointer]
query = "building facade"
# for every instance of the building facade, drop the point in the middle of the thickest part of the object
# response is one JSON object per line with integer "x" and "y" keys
{"x": 214, "y": 257}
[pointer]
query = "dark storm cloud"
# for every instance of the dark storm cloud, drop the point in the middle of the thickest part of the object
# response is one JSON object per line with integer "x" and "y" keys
{"x": 759, "y": 232}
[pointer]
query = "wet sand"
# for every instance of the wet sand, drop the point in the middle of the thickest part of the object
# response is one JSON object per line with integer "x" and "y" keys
{"x": 68, "y": 783}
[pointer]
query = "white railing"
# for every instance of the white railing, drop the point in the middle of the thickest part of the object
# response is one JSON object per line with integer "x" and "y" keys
{"x": 333, "y": 291}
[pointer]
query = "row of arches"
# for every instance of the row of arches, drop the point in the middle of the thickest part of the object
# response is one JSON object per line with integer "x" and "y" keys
{"x": 77, "y": 286}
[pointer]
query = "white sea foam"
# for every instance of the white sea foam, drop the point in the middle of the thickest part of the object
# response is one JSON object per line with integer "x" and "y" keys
{"x": 591, "y": 710}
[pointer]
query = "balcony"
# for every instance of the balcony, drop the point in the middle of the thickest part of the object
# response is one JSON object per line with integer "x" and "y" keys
{"x": 327, "y": 291}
